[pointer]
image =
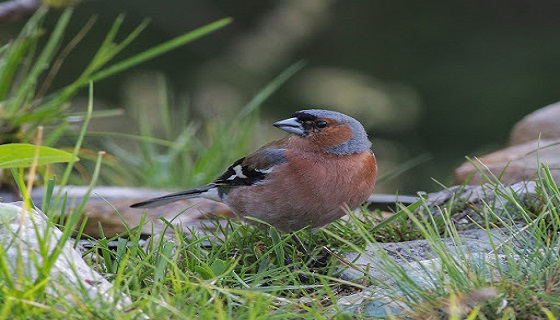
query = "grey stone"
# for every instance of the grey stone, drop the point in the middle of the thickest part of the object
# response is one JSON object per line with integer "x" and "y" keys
{"x": 419, "y": 255}
{"x": 372, "y": 301}
{"x": 19, "y": 237}
{"x": 417, "y": 260}
{"x": 470, "y": 206}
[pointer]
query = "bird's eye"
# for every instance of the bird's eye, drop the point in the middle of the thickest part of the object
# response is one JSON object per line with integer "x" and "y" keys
{"x": 321, "y": 123}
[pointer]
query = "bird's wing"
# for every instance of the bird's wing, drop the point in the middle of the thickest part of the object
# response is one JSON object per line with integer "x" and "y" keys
{"x": 251, "y": 169}
{"x": 243, "y": 172}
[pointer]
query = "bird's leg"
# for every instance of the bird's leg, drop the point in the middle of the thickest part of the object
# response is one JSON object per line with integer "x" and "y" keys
{"x": 301, "y": 247}
{"x": 322, "y": 260}
{"x": 319, "y": 262}
{"x": 288, "y": 260}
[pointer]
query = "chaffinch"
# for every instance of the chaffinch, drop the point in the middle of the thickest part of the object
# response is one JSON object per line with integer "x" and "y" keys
{"x": 308, "y": 178}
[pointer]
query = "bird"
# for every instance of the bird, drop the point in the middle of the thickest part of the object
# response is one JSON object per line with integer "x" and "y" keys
{"x": 311, "y": 177}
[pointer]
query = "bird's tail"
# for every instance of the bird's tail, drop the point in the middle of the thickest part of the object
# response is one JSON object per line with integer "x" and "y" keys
{"x": 207, "y": 191}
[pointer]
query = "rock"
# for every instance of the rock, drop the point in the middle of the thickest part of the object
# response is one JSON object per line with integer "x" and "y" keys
{"x": 19, "y": 237}
{"x": 469, "y": 204}
{"x": 371, "y": 302}
{"x": 533, "y": 140}
{"x": 543, "y": 124}
{"x": 513, "y": 164}
{"x": 419, "y": 261}
{"x": 417, "y": 254}
{"x": 105, "y": 202}
{"x": 378, "y": 303}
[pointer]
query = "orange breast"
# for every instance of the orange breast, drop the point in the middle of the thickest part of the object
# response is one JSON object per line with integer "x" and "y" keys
{"x": 308, "y": 190}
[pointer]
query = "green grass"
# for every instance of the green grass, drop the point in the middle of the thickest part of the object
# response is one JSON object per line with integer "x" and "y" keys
{"x": 525, "y": 285}
{"x": 188, "y": 153}
{"x": 28, "y": 68}
{"x": 243, "y": 274}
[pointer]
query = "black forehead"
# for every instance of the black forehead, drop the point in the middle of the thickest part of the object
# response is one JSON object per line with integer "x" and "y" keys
{"x": 304, "y": 116}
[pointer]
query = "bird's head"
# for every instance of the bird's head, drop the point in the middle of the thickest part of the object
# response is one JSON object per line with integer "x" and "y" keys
{"x": 331, "y": 131}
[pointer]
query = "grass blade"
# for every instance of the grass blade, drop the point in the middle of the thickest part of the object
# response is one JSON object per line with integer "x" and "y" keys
{"x": 160, "y": 49}
{"x": 26, "y": 88}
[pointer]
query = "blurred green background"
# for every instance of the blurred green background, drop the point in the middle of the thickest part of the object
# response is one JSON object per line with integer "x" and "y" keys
{"x": 446, "y": 79}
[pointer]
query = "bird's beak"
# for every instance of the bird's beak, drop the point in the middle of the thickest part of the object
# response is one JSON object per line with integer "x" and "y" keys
{"x": 292, "y": 125}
